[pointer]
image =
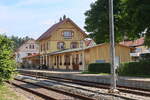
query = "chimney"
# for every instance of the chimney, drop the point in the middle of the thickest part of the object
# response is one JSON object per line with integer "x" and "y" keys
{"x": 60, "y": 19}
{"x": 64, "y": 17}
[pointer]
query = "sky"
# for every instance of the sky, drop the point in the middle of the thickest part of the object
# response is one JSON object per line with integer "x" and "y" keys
{"x": 33, "y": 17}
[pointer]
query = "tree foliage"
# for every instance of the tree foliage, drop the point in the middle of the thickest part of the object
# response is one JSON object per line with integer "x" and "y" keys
{"x": 18, "y": 41}
{"x": 131, "y": 20}
{"x": 97, "y": 20}
{"x": 7, "y": 64}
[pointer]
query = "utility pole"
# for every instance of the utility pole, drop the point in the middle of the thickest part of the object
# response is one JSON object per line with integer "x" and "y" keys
{"x": 112, "y": 49}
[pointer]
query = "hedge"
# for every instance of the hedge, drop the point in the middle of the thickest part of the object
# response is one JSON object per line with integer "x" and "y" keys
{"x": 135, "y": 68}
{"x": 99, "y": 67}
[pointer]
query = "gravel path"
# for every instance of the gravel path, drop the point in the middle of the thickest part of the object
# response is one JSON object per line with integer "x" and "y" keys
{"x": 50, "y": 93}
{"x": 99, "y": 94}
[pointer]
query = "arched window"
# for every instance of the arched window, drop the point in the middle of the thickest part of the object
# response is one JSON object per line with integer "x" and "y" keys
{"x": 61, "y": 45}
{"x": 74, "y": 45}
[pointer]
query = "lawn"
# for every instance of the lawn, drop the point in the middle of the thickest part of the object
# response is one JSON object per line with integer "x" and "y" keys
{"x": 8, "y": 94}
{"x": 94, "y": 73}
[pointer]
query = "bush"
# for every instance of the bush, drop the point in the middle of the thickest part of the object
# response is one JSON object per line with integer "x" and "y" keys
{"x": 7, "y": 64}
{"x": 99, "y": 67}
{"x": 135, "y": 68}
{"x": 145, "y": 56}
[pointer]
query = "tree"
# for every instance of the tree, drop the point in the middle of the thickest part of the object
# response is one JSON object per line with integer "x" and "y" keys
{"x": 18, "y": 41}
{"x": 137, "y": 16}
{"x": 97, "y": 20}
{"x": 7, "y": 64}
{"x": 131, "y": 19}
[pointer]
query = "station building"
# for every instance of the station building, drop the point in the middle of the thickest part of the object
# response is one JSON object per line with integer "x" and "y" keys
{"x": 63, "y": 46}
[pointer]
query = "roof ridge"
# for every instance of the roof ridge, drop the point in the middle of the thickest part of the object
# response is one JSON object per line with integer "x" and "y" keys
{"x": 53, "y": 27}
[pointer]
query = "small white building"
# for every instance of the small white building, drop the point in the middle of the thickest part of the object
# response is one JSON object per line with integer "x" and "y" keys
{"x": 30, "y": 47}
{"x": 139, "y": 47}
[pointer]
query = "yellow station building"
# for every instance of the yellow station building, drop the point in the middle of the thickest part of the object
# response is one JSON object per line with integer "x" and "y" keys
{"x": 62, "y": 46}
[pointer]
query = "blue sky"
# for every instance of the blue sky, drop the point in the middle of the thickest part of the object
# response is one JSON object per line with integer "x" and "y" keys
{"x": 33, "y": 17}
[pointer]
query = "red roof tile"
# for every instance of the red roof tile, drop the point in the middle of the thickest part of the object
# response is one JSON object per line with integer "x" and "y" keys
{"x": 34, "y": 55}
{"x": 137, "y": 42}
{"x": 87, "y": 42}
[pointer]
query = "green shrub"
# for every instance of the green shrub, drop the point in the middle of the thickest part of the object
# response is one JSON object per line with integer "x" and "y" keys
{"x": 135, "y": 68}
{"x": 99, "y": 67}
{"x": 145, "y": 56}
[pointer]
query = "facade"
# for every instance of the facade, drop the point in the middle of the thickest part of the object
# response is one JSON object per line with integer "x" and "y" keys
{"x": 30, "y": 47}
{"x": 31, "y": 61}
{"x": 61, "y": 36}
{"x": 80, "y": 58}
{"x": 139, "y": 46}
{"x": 63, "y": 46}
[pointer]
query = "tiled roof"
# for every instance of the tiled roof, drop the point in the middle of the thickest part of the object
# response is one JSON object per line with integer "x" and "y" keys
{"x": 55, "y": 26}
{"x": 34, "y": 55}
{"x": 134, "y": 43}
{"x": 87, "y": 42}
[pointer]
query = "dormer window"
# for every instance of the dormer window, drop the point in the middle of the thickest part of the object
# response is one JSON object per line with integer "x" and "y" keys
{"x": 68, "y": 34}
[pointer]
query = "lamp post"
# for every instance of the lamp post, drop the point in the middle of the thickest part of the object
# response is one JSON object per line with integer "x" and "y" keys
{"x": 112, "y": 49}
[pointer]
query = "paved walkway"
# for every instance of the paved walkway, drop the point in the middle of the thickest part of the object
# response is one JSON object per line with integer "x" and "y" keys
{"x": 78, "y": 73}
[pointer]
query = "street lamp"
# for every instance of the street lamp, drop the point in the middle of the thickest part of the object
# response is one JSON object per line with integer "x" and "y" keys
{"x": 112, "y": 49}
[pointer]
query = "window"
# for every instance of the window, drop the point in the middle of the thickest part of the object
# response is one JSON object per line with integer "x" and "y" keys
{"x": 67, "y": 34}
{"x": 29, "y": 54}
{"x": 61, "y": 45}
{"x": 74, "y": 45}
{"x": 30, "y": 46}
{"x": 33, "y": 46}
{"x": 138, "y": 50}
{"x": 81, "y": 44}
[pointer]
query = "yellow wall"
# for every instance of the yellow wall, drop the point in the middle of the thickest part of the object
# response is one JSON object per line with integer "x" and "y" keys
{"x": 103, "y": 53}
{"x": 57, "y": 37}
{"x": 100, "y": 52}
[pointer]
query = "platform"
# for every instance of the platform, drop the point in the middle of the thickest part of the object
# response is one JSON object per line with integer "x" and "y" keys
{"x": 136, "y": 82}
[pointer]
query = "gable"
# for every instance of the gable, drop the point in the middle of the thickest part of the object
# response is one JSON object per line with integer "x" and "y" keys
{"x": 67, "y": 26}
{"x": 52, "y": 30}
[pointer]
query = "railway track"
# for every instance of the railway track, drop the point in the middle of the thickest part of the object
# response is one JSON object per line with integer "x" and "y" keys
{"x": 136, "y": 91}
{"x": 48, "y": 93}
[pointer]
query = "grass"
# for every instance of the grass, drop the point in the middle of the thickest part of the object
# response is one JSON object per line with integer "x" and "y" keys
{"x": 142, "y": 76}
{"x": 94, "y": 73}
{"x": 7, "y": 94}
